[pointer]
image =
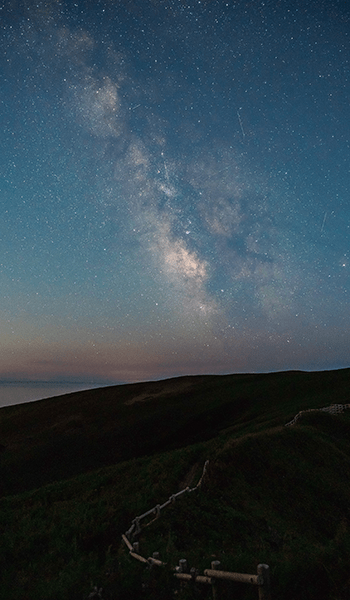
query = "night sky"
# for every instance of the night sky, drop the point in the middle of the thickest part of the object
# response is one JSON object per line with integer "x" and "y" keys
{"x": 175, "y": 188}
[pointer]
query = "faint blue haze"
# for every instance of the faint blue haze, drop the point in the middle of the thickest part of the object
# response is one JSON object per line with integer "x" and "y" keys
{"x": 18, "y": 393}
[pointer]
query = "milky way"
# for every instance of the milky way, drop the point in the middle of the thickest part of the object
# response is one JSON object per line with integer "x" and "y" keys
{"x": 175, "y": 188}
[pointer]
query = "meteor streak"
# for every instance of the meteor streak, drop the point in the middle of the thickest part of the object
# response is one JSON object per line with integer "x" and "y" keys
{"x": 240, "y": 122}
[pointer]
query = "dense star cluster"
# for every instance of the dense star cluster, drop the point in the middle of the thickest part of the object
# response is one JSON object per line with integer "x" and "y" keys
{"x": 174, "y": 187}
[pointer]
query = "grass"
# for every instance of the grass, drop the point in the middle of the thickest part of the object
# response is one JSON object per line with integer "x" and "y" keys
{"x": 279, "y": 497}
{"x": 63, "y": 539}
{"x": 63, "y": 437}
{"x": 271, "y": 494}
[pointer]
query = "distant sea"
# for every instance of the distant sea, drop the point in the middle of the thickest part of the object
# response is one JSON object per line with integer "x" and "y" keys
{"x": 18, "y": 393}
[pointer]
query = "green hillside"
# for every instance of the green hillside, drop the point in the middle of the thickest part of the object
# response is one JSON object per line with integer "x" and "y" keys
{"x": 62, "y": 437}
{"x": 85, "y": 464}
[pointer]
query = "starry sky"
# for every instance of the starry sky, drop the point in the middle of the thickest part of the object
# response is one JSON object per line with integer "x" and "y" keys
{"x": 174, "y": 180}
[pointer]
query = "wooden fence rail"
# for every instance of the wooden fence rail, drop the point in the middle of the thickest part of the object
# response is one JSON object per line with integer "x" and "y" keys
{"x": 333, "y": 409}
{"x": 135, "y": 528}
{"x": 262, "y": 579}
{"x": 210, "y": 576}
{"x": 241, "y": 577}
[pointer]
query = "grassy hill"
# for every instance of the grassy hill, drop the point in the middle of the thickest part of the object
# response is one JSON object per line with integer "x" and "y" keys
{"x": 76, "y": 469}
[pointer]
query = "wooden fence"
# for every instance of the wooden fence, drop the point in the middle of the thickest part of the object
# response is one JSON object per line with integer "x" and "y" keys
{"x": 210, "y": 576}
{"x": 334, "y": 409}
{"x": 214, "y": 574}
{"x": 182, "y": 572}
{"x": 136, "y": 528}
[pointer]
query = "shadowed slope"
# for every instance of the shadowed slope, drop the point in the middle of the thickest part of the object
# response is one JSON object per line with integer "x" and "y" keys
{"x": 278, "y": 496}
{"x": 57, "y": 438}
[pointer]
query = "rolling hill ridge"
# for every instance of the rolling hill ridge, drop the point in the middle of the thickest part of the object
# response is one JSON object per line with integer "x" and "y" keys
{"x": 62, "y": 437}
{"x": 76, "y": 469}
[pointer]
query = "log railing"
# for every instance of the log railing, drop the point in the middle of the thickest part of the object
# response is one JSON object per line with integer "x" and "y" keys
{"x": 181, "y": 572}
{"x": 334, "y": 409}
{"x": 136, "y": 528}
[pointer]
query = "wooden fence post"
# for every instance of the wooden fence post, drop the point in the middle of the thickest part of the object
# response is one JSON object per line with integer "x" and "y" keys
{"x": 183, "y": 568}
{"x": 136, "y": 547}
{"x": 215, "y": 564}
{"x": 183, "y": 565}
{"x": 264, "y": 588}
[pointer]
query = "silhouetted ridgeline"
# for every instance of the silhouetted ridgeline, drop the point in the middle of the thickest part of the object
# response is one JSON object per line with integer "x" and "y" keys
{"x": 85, "y": 464}
{"x": 61, "y": 437}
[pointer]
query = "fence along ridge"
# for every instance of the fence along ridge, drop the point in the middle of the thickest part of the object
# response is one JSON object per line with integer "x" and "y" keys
{"x": 136, "y": 528}
{"x": 334, "y": 409}
{"x": 262, "y": 579}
